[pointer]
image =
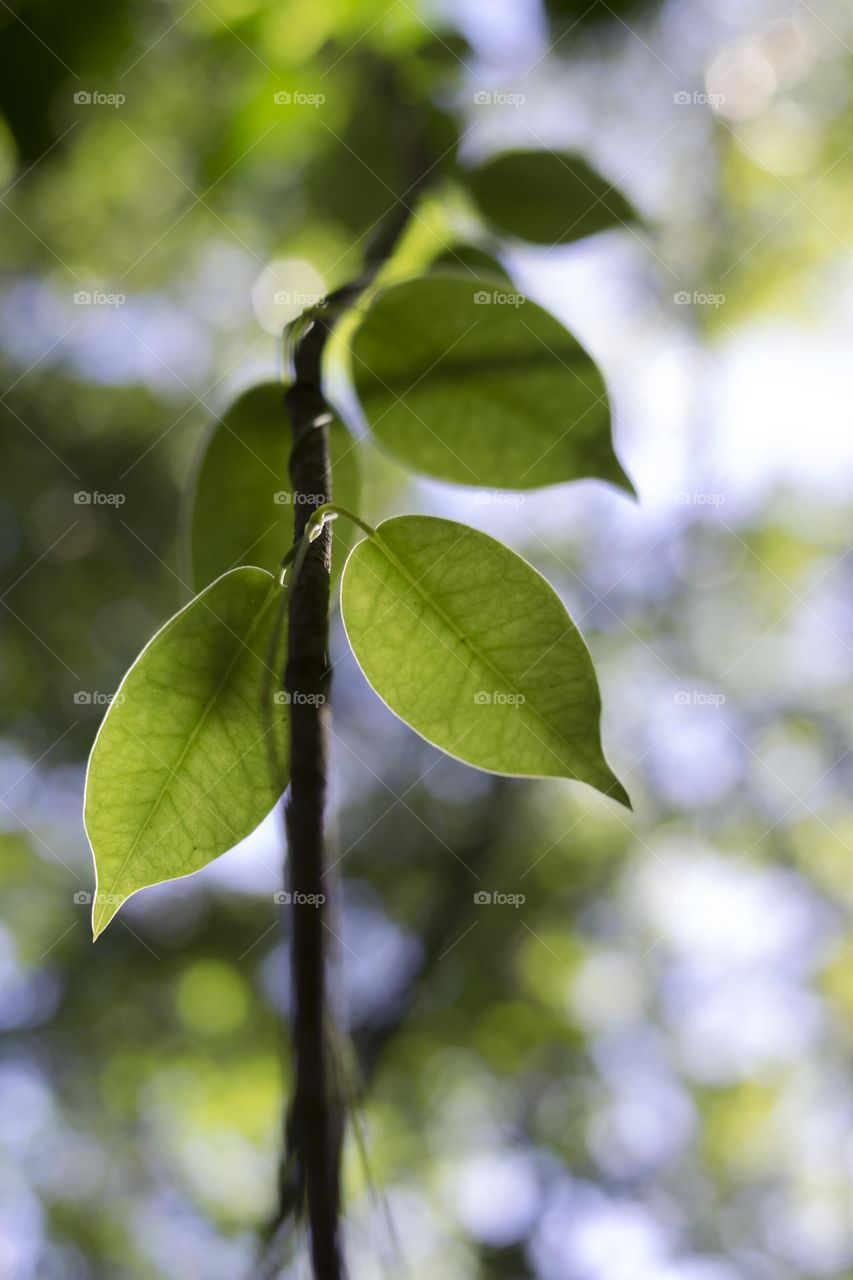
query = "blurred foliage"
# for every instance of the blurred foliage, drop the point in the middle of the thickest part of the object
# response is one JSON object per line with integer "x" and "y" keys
{"x": 642, "y": 1071}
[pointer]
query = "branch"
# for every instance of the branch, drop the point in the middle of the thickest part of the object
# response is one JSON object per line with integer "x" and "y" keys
{"x": 316, "y": 1122}
{"x": 311, "y": 1169}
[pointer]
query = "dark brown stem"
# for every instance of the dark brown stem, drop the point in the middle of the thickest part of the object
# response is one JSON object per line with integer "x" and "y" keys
{"x": 311, "y": 1170}
{"x": 316, "y": 1125}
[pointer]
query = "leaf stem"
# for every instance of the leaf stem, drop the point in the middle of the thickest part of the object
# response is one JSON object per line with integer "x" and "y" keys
{"x": 328, "y": 512}
{"x": 288, "y": 559}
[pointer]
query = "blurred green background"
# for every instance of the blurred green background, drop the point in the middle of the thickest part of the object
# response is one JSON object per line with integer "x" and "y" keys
{"x": 642, "y": 1071}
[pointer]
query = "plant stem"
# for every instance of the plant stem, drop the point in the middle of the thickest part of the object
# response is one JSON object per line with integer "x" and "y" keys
{"x": 316, "y": 1123}
{"x": 316, "y": 1119}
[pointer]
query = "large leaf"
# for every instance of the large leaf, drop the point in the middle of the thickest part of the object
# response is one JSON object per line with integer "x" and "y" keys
{"x": 470, "y": 382}
{"x": 190, "y": 756}
{"x": 547, "y": 198}
{"x": 242, "y": 502}
{"x": 474, "y": 650}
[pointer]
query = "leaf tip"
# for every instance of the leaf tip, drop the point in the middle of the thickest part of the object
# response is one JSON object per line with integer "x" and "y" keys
{"x": 103, "y": 909}
{"x": 606, "y": 782}
{"x": 623, "y": 481}
{"x": 617, "y": 792}
{"x": 629, "y": 488}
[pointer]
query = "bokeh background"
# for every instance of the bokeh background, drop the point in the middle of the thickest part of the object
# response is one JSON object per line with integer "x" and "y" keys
{"x": 643, "y": 1070}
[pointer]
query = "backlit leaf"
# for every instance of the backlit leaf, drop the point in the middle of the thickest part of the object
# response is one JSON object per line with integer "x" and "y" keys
{"x": 242, "y": 502}
{"x": 474, "y": 650}
{"x": 189, "y": 758}
{"x": 468, "y": 381}
{"x": 547, "y": 198}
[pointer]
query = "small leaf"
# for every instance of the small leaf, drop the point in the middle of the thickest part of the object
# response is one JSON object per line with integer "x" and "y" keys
{"x": 242, "y": 502}
{"x": 547, "y": 198}
{"x": 183, "y": 766}
{"x": 474, "y": 650}
{"x": 468, "y": 381}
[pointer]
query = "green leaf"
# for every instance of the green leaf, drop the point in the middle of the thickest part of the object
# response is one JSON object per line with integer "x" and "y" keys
{"x": 547, "y": 198}
{"x": 468, "y": 381}
{"x": 474, "y": 650}
{"x": 242, "y": 502}
{"x": 184, "y": 764}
